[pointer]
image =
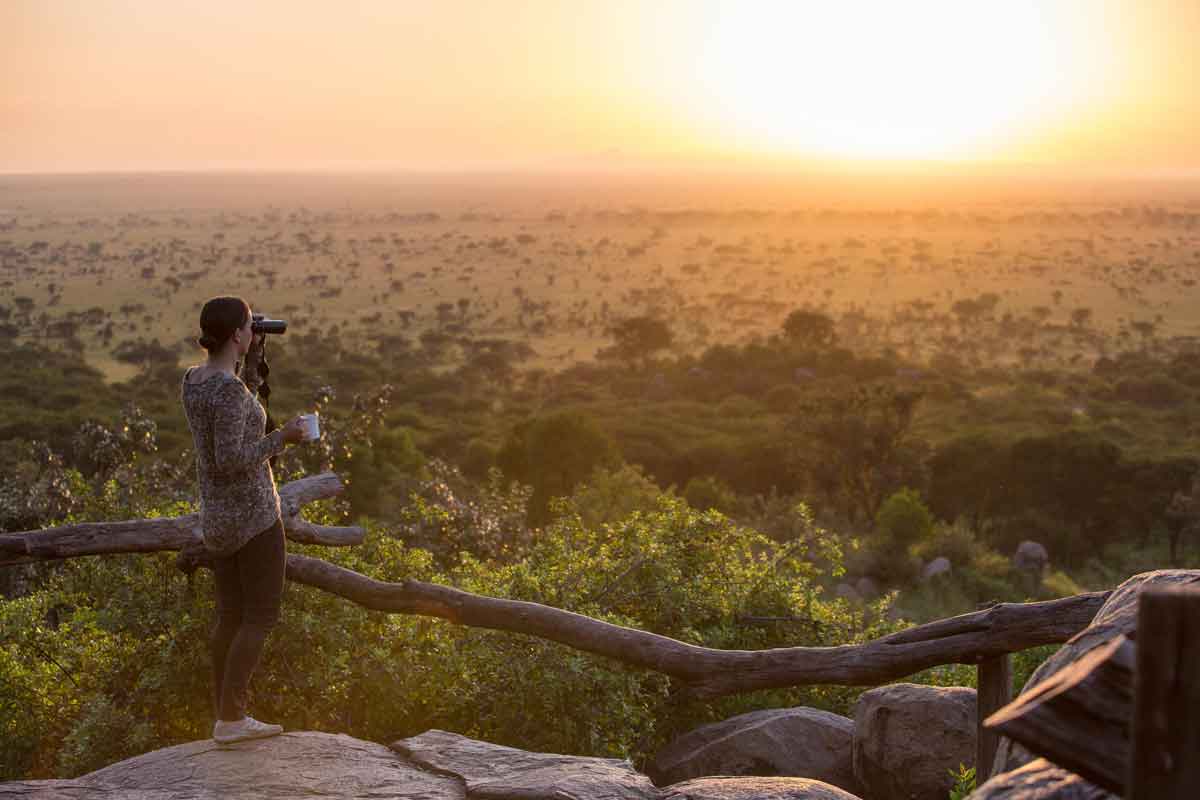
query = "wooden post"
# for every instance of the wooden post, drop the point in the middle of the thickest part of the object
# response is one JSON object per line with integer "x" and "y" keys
{"x": 1079, "y": 716}
{"x": 993, "y": 680}
{"x": 1166, "y": 715}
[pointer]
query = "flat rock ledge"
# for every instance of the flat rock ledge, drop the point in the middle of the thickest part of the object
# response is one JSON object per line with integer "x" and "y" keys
{"x": 301, "y": 764}
{"x": 433, "y": 766}
{"x": 494, "y": 772}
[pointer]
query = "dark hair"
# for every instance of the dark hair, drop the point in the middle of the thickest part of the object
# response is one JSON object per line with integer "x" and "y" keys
{"x": 220, "y": 318}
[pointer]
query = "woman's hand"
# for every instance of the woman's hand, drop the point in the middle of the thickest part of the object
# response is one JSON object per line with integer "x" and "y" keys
{"x": 293, "y": 431}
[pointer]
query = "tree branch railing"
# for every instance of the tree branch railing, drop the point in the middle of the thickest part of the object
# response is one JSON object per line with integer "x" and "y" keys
{"x": 982, "y": 637}
{"x": 708, "y": 672}
{"x": 174, "y": 533}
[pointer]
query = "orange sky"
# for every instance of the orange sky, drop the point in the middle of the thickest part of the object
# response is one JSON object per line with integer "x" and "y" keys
{"x": 501, "y": 84}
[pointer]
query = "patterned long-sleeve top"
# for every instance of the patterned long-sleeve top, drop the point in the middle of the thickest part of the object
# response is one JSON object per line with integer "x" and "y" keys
{"x": 237, "y": 488}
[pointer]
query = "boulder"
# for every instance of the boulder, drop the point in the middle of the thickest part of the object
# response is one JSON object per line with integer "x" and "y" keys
{"x": 867, "y": 588}
{"x": 939, "y": 566}
{"x": 907, "y": 738}
{"x": 1031, "y": 557}
{"x": 798, "y": 742}
{"x": 300, "y": 764}
{"x": 846, "y": 592}
{"x": 731, "y": 788}
{"x": 1038, "y": 780}
{"x": 494, "y": 772}
{"x": 1117, "y": 616}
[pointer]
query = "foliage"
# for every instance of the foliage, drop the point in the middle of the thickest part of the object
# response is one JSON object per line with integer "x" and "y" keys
{"x": 108, "y": 657}
{"x": 636, "y": 339}
{"x": 451, "y": 517}
{"x": 811, "y": 329}
{"x": 613, "y": 494}
{"x": 708, "y": 491}
{"x": 553, "y": 454}
{"x": 856, "y": 442}
{"x": 903, "y": 521}
{"x": 964, "y": 782}
{"x": 963, "y": 479}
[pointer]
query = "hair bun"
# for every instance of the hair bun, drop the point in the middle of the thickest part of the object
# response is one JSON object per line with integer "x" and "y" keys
{"x": 206, "y": 341}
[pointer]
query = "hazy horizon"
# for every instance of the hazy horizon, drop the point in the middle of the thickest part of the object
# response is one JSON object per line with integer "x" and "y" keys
{"x": 1098, "y": 88}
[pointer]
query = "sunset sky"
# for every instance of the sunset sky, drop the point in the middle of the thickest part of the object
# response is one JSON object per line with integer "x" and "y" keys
{"x": 98, "y": 85}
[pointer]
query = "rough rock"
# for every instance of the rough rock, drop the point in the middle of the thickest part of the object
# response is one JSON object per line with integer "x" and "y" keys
{"x": 846, "y": 592}
{"x": 867, "y": 588}
{"x": 1031, "y": 557}
{"x": 1038, "y": 780}
{"x": 907, "y": 737}
{"x": 798, "y": 742}
{"x": 732, "y": 788}
{"x": 301, "y": 764}
{"x": 939, "y": 566}
{"x": 1118, "y": 615}
{"x": 495, "y": 772}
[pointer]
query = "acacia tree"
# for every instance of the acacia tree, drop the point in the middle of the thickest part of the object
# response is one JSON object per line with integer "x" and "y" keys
{"x": 856, "y": 445}
{"x": 810, "y": 329}
{"x": 553, "y": 454}
{"x": 637, "y": 339}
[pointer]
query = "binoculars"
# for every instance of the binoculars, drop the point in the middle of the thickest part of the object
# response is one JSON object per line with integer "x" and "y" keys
{"x": 260, "y": 324}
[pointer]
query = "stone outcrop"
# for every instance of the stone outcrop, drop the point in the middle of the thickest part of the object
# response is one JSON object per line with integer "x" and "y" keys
{"x": 797, "y": 742}
{"x": 907, "y": 737}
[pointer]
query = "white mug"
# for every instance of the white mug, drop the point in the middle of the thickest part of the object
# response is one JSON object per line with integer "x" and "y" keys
{"x": 312, "y": 426}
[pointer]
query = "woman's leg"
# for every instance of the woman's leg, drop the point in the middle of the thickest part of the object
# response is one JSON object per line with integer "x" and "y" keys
{"x": 227, "y": 620}
{"x": 260, "y": 568}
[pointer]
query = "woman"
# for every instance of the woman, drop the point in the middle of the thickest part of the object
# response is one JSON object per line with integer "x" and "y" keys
{"x": 239, "y": 508}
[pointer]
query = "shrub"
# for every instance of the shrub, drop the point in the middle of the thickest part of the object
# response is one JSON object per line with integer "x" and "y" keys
{"x": 1155, "y": 391}
{"x": 707, "y": 491}
{"x": 954, "y": 541}
{"x": 127, "y": 666}
{"x": 903, "y": 521}
{"x": 782, "y": 398}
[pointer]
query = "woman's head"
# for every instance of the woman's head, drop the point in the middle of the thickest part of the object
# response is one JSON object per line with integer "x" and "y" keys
{"x": 225, "y": 322}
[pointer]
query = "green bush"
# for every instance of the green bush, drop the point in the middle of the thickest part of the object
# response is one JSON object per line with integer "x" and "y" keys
{"x": 126, "y": 668}
{"x": 902, "y": 524}
{"x": 903, "y": 520}
{"x": 707, "y": 491}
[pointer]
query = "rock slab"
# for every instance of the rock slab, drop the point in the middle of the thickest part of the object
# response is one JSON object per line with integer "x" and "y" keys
{"x": 797, "y": 742}
{"x": 495, "y": 772}
{"x": 301, "y": 764}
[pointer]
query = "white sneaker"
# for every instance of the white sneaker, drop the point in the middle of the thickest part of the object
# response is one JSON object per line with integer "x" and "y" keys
{"x": 243, "y": 729}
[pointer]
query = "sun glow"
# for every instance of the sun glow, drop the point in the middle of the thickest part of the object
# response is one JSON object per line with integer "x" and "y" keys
{"x": 928, "y": 79}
